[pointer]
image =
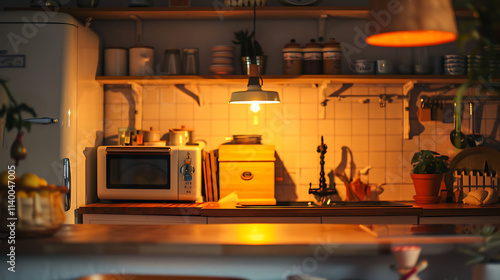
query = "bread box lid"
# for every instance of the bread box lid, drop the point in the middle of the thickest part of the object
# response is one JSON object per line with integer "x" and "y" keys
{"x": 246, "y": 153}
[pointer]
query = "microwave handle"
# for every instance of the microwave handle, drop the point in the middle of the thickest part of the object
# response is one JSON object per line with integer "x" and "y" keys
{"x": 67, "y": 183}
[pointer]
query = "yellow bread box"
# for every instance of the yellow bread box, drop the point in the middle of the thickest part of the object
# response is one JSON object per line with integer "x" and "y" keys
{"x": 247, "y": 170}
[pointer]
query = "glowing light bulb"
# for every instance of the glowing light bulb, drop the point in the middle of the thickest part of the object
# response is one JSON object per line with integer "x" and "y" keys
{"x": 255, "y": 107}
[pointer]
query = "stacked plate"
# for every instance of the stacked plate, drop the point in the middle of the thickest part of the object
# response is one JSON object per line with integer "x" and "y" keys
{"x": 473, "y": 63}
{"x": 222, "y": 60}
{"x": 454, "y": 64}
{"x": 493, "y": 58}
{"x": 245, "y": 3}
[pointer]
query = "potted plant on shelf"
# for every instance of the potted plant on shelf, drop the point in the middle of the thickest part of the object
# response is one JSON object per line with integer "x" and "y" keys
{"x": 251, "y": 51}
{"x": 427, "y": 174}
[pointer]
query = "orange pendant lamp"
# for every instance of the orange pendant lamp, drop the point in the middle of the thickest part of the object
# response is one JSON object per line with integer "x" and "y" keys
{"x": 411, "y": 23}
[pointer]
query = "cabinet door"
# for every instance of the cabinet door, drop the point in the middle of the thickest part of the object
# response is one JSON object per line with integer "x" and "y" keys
{"x": 460, "y": 220}
{"x": 141, "y": 219}
{"x": 370, "y": 220}
{"x": 264, "y": 220}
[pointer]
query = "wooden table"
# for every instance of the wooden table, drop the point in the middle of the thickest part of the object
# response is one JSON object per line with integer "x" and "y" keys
{"x": 252, "y": 251}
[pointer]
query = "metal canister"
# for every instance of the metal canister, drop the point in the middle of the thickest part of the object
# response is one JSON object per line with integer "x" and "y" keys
{"x": 332, "y": 57}
{"x": 313, "y": 58}
{"x": 292, "y": 58}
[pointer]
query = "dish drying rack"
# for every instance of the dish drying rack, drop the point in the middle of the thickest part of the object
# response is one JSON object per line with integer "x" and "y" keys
{"x": 471, "y": 169}
{"x": 465, "y": 181}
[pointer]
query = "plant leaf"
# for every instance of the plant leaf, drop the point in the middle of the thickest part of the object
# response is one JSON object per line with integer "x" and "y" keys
{"x": 3, "y": 111}
{"x": 26, "y": 108}
{"x": 477, "y": 259}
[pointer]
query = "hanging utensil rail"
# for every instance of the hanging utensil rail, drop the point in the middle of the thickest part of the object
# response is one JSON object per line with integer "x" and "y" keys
{"x": 425, "y": 100}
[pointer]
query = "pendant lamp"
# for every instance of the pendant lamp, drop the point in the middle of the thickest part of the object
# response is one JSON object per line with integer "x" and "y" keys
{"x": 411, "y": 23}
{"x": 254, "y": 94}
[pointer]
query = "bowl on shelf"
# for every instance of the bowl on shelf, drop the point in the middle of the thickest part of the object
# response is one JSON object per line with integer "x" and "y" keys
{"x": 221, "y": 69}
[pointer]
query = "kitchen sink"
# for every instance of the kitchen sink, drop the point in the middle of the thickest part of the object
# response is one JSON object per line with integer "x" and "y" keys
{"x": 334, "y": 204}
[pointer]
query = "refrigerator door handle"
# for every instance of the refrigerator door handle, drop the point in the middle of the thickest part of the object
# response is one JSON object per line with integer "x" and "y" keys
{"x": 67, "y": 183}
{"x": 44, "y": 120}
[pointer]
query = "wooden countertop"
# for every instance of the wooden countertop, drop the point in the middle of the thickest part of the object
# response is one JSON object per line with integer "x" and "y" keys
{"x": 214, "y": 210}
{"x": 145, "y": 208}
{"x": 238, "y": 239}
{"x": 459, "y": 209}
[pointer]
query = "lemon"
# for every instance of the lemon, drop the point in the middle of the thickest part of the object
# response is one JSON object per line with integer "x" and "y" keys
{"x": 29, "y": 180}
{"x": 22, "y": 194}
{"x": 42, "y": 182}
{"x": 4, "y": 178}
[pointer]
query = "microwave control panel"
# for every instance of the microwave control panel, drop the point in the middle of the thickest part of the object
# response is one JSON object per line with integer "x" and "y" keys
{"x": 189, "y": 174}
{"x": 187, "y": 169}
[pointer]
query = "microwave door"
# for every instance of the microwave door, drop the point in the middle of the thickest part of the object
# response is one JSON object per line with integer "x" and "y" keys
{"x": 141, "y": 175}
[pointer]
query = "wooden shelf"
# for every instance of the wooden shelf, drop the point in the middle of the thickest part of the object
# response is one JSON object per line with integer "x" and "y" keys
{"x": 282, "y": 79}
{"x": 221, "y": 13}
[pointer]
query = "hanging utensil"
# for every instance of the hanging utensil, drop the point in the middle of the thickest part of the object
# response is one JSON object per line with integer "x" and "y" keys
{"x": 474, "y": 139}
{"x": 456, "y": 136}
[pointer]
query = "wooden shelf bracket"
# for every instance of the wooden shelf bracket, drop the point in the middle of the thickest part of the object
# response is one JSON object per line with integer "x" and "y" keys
{"x": 137, "y": 89}
{"x": 321, "y": 27}
{"x": 407, "y": 89}
{"x": 138, "y": 28}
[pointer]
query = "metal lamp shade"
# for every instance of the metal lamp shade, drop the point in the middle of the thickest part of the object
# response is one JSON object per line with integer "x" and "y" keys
{"x": 254, "y": 94}
{"x": 410, "y": 23}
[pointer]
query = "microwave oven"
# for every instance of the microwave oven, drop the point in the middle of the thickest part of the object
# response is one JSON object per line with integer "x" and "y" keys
{"x": 170, "y": 173}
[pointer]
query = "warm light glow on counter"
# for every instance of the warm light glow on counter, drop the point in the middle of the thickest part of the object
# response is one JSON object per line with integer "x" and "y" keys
{"x": 256, "y": 234}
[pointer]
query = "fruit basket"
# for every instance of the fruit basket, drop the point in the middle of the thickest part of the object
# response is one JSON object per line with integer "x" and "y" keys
{"x": 36, "y": 210}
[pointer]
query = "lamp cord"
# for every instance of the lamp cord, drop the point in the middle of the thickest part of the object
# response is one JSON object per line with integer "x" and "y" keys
{"x": 254, "y": 17}
{"x": 254, "y": 46}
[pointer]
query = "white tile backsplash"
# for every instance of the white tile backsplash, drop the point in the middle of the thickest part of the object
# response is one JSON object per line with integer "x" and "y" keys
{"x": 291, "y": 95}
{"x": 185, "y": 111}
{"x": 375, "y": 111}
{"x": 376, "y": 127}
{"x": 373, "y": 134}
{"x": 151, "y": 112}
{"x": 168, "y": 111}
{"x": 168, "y": 95}
{"x": 151, "y": 95}
{"x": 343, "y": 127}
{"x": 220, "y": 111}
{"x": 309, "y": 95}
{"x": 359, "y": 111}
{"x": 308, "y": 111}
{"x": 343, "y": 110}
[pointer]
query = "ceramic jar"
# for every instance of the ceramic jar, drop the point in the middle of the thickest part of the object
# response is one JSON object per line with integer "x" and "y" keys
{"x": 313, "y": 58}
{"x": 332, "y": 58}
{"x": 292, "y": 58}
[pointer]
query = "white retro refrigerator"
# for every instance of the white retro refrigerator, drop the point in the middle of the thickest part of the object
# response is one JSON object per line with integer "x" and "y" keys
{"x": 49, "y": 61}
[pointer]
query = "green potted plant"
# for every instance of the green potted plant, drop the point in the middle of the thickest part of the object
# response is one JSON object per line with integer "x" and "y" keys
{"x": 250, "y": 51}
{"x": 486, "y": 257}
{"x": 427, "y": 174}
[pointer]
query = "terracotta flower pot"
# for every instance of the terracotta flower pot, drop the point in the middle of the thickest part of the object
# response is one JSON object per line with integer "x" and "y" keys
{"x": 427, "y": 187}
